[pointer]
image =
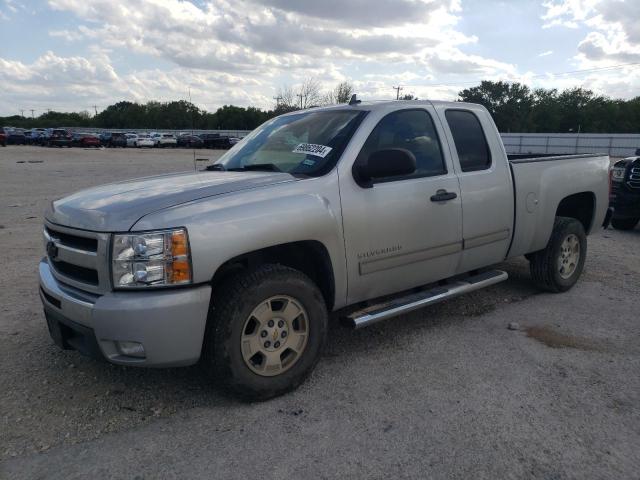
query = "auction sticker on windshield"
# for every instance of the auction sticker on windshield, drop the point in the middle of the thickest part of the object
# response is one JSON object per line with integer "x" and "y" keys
{"x": 312, "y": 149}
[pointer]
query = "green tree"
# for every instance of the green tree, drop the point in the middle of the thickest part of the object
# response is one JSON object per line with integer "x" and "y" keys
{"x": 510, "y": 104}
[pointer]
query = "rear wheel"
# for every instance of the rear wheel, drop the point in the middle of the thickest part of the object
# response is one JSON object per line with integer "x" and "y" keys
{"x": 265, "y": 331}
{"x": 624, "y": 223}
{"x": 558, "y": 267}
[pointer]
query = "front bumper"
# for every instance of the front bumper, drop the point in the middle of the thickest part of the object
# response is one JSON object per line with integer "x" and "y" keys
{"x": 170, "y": 323}
{"x": 625, "y": 204}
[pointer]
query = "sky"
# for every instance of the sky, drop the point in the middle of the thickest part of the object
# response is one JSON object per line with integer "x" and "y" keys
{"x": 74, "y": 55}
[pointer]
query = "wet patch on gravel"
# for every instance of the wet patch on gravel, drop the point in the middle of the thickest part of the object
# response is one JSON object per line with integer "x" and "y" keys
{"x": 553, "y": 338}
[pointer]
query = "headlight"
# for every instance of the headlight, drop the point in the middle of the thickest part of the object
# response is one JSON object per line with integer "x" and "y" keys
{"x": 151, "y": 259}
{"x": 617, "y": 174}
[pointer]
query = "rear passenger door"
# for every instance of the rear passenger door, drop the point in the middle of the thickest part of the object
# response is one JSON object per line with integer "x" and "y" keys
{"x": 485, "y": 185}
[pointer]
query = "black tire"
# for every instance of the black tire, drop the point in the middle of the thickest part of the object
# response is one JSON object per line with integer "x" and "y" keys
{"x": 230, "y": 308}
{"x": 624, "y": 223}
{"x": 544, "y": 264}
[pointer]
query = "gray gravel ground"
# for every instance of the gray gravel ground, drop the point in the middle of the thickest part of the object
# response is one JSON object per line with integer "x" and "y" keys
{"x": 447, "y": 392}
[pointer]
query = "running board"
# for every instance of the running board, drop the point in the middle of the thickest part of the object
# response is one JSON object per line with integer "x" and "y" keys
{"x": 409, "y": 303}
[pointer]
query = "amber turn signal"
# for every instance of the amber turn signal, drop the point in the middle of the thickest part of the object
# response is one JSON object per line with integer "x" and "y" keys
{"x": 179, "y": 245}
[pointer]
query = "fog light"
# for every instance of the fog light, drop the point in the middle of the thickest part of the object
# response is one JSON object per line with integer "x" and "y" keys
{"x": 131, "y": 349}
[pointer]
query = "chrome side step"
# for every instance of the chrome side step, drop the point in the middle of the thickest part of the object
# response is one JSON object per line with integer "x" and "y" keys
{"x": 398, "y": 306}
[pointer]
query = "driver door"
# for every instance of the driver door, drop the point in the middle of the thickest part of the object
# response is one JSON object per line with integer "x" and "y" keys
{"x": 398, "y": 234}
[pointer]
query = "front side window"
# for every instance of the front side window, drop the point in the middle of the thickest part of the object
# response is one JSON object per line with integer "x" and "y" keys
{"x": 412, "y": 130}
{"x": 468, "y": 136}
{"x": 307, "y": 144}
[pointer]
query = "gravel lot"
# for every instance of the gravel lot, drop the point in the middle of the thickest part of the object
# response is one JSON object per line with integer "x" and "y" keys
{"x": 447, "y": 392}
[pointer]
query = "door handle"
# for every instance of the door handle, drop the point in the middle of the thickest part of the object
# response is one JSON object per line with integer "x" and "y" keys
{"x": 442, "y": 196}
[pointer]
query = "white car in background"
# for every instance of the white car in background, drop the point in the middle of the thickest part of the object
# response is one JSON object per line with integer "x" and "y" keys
{"x": 131, "y": 139}
{"x": 164, "y": 140}
{"x": 144, "y": 140}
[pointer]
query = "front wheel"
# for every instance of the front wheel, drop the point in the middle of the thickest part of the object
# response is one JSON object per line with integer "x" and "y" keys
{"x": 624, "y": 223}
{"x": 265, "y": 331}
{"x": 558, "y": 267}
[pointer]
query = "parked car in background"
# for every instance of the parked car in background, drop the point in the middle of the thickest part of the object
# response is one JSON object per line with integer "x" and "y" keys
{"x": 215, "y": 141}
{"x": 234, "y": 140}
{"x": 144, "y": 140}
{"x": 155, "y": 137}
{"x": 59, "y": 138}
{"x": 113, "y": 139}
{"x": 164, "y": 139}
{"x": 15, "y": 136}
{"x": 85, "y": 140}
{"x": 34, "y": 136}
{"x": 189, "y": 141}
{"x": 131, "y": 139}
{"x": 118, "y": 139}
{"x": 105, "y": 139}
{"x": 3, "y": 137}
{"x": 625, "y": 193}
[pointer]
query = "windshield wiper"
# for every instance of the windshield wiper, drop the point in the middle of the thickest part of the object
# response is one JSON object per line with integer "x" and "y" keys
{"x": 263, "y": 167}
{"x": 216, "y": 167}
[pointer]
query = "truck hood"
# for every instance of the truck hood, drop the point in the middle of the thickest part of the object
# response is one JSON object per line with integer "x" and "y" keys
{"x": 117, "y": 206}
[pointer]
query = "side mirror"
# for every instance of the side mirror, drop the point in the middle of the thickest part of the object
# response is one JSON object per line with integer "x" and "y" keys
{"x": 393, "y": 162}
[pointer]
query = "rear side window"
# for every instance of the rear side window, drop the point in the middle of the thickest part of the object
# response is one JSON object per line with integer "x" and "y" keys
{"x": 412, "y": 130}
{"x": 471, "y": 143}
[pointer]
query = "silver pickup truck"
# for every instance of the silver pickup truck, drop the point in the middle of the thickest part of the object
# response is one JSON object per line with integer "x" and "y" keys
{"x": 373, "y": 209}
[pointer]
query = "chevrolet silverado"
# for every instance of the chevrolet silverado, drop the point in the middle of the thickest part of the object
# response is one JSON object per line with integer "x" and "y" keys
{"x": 374, "y": 209}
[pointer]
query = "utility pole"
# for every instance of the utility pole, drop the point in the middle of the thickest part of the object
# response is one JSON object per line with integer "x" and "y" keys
{"x": 300, "y": 95}
{"x": 22, "y": 112}
{"x": 32, "y": 110}
{"x": 95, "y": 109}
{"x": 397, "y": 89}
{"x": 277, "y": 99}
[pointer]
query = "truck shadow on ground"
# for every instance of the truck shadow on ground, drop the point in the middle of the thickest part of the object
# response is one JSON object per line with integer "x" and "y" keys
{"x": 454, "y": 311}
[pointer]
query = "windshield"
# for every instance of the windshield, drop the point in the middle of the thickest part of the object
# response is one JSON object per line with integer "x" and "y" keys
{"x": 308, "y": 143}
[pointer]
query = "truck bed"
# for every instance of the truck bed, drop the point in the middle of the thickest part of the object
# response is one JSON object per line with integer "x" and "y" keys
{"x": 542, "y": 181}
{"x": 546, "y": 157}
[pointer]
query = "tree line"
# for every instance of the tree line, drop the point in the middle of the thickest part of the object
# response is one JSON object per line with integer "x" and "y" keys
{"x": 515, "y": 108}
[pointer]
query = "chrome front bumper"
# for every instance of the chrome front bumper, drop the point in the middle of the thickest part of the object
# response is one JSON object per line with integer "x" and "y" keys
{"x": 170, "y": 323}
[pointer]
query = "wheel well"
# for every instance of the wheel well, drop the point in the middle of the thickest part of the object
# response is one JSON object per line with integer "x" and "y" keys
{"x": 309, "y": 257}
{"x": 580, "y": 206}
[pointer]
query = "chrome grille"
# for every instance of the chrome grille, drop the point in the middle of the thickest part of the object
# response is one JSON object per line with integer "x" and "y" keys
{"x": 78, "y": 258}
{"x": 634, "y": 177}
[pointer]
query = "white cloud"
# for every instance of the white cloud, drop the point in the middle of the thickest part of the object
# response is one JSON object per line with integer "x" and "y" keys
{"x": 241, "y": 52}
{"x": 276, "y": 40}
{"x": 614, "y": 25}
{"x": 76, "y": 83}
